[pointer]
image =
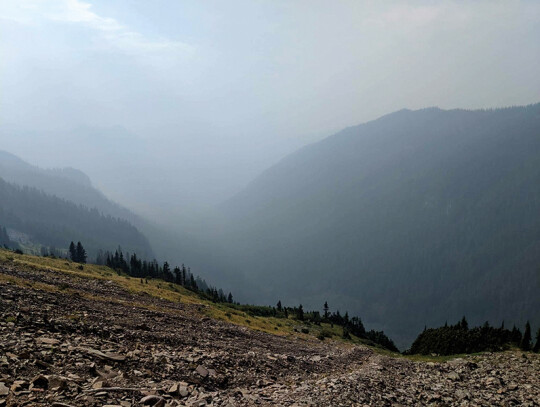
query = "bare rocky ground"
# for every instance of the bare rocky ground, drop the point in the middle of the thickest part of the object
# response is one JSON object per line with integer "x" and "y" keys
{"x": 95, "y": 344}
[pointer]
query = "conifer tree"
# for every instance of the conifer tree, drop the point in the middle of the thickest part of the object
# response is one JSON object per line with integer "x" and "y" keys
{"x": 516, "y": 336}
{"x": 80, "y": 253}
{"x": 346, "y": 334}
{"x": 279, "y": 306}
{"x": 177, "y": 275}
{"x": 300, "y": 313}
{"x": 230, "y": 298}
{"x": 326, "y": 309}
{"x": 464, "y": 324}
{"x": 72, "y": 252}
{"x": 167, "y": 276}
{"x": 526, "y": 340}
{"x": 184, "y": 281}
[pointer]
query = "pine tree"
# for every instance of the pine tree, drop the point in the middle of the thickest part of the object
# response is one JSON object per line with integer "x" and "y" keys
{"x": 326, "y": 309}
{"x": 192, "y": 282}
{"x": 72, "y": 252}
{"x": 184, "y": 281}
{"x": 177, "y": 275}
{"x": 516, "y": 336}
{"x": 230, "y": 298}
{"x": 279, "y": 306}
{"x": 346, "y": 334}
{"x": 300, "y": 313}
{"x": 80, "y": 253}
{"x": 464, "y": 324}
{"x": 167, "y": 276}
{"x": 526, "y": 340}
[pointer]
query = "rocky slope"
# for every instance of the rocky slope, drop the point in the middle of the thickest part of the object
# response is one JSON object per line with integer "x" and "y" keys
{"x": 66, "y": 340}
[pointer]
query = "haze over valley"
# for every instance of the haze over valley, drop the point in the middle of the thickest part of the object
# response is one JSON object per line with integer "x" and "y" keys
{"x": 269, "y": 203}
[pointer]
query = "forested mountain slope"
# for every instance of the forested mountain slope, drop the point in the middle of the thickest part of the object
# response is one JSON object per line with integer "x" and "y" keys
{"x": 75, "y": 186}
{"x": 48, "y": 221}
{"x": 411, "y": 219}
{"x": 66, "y": 183}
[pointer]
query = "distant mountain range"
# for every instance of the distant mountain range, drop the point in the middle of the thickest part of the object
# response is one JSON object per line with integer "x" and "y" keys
{"x": 415, "y": 218}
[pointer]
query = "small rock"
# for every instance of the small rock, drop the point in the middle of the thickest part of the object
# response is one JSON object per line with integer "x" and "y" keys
{"x": 461, "y": 394}
{"x": 19, "y": 386}
{"x": 454, "y": 376}
{"x": 39, "y": 382}
{"x": 4, "y": 391}
{"x": 173, "y": 389}
{"x": 435, "y": 397}
{"x": 151, "y": 400}
{"x": 47, "y": 341}
{"x": 492, "y": 381}
{"x": 201, "y": 371}
{"x": 104, "y": 355}
{"x": 57, "y": 382}
{"x": 98, "y": 385}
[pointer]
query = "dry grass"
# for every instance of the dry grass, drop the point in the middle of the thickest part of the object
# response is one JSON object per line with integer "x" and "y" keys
{"x": 166, "y": 291}
{"x": 153, "y": 287}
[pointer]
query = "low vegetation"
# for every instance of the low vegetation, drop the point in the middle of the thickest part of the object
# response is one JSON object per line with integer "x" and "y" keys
{"x": 262, "y": 318}
{"x": 279, "y": 319}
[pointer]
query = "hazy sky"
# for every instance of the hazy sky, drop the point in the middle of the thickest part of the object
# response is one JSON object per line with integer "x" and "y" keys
{"x": 212, "y": 92}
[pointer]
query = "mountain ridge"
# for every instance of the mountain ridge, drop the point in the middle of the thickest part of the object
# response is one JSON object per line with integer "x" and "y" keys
{"x": 428, "y": 196}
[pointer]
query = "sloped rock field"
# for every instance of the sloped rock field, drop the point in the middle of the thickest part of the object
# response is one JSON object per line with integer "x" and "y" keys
{"x": 92, "y": 343}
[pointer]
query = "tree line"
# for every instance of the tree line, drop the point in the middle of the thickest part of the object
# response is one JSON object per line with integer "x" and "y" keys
{"x": 445, "y": 340}
{"x": 350, "y": 325}
{"x": 134, "y": 266}
{"x": 459, "y": 338}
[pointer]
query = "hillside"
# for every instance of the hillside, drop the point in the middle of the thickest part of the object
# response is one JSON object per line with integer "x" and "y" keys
{"x": 66, "y": 183}
{"x": 412, "y": 219}
{"x": 92, "y": 337}
{"x": 75, "y": 186}
{"x": 39, "y": 219}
